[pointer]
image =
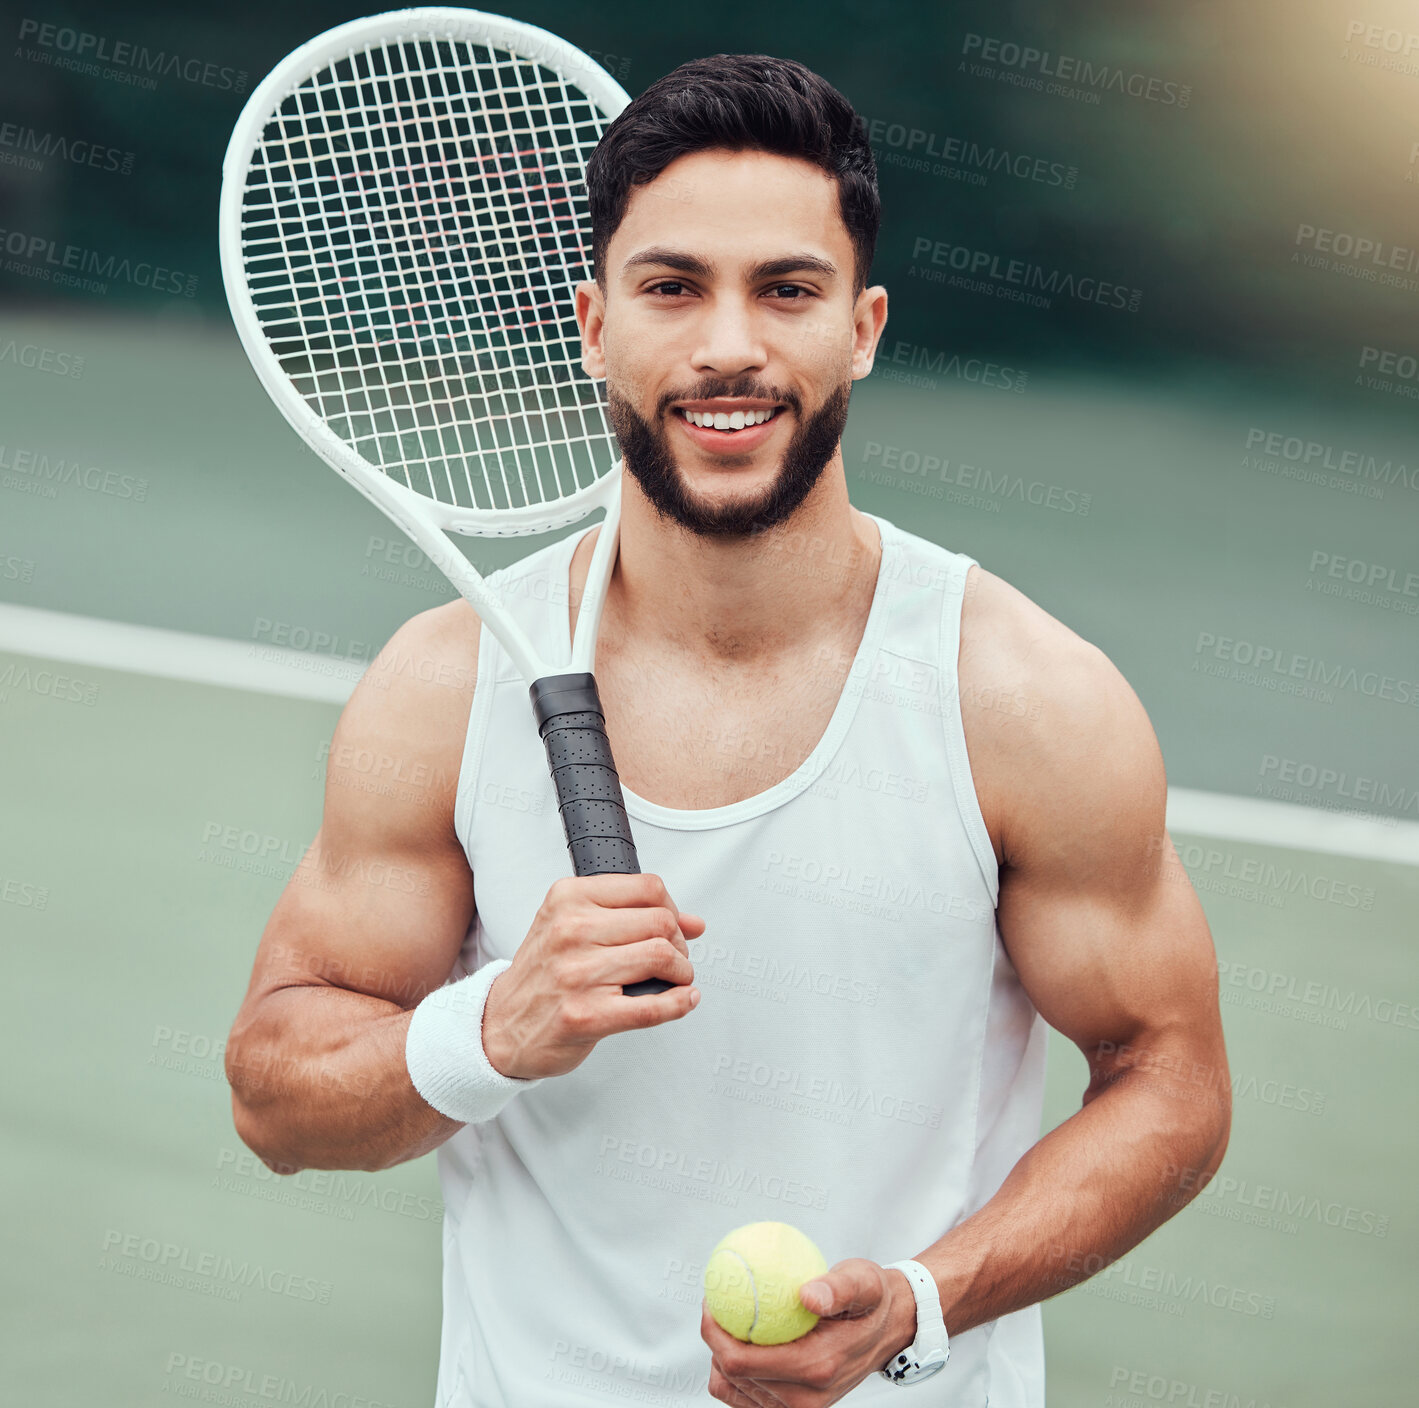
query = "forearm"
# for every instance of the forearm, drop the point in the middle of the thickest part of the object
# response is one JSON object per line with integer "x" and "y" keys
{"x": 319, "y": 1080}
{"x": 1138, "y": 1151}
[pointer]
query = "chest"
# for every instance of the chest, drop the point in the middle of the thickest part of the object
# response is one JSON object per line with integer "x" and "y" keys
{"x": 690, "y": 737}
{"x": 695, "y": 740}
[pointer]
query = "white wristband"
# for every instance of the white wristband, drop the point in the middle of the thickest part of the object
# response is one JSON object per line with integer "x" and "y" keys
{"x": 444, "y": 1050}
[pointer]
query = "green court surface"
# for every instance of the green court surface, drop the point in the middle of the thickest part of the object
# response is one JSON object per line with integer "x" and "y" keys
{"x": 147, "y": 1249}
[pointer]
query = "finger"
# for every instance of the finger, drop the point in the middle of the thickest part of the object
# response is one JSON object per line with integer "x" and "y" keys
{"x": 604, "y": 1012}
{"x": 614, "y": 927}
{"x": 616, "y": 891}
{"x": 755, "y": 1367}
{"x": 852, "y": 1288}
{"x": 651, "y": 958}
{"x": 640, "y": 892}
{"x": 727, "y": 1391}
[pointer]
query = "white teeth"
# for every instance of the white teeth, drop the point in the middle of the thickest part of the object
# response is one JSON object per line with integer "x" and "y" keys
{"x": 735, "y": 420}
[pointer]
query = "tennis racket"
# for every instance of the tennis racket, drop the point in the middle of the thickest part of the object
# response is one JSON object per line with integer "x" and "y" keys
{"x": 403, "y": 223}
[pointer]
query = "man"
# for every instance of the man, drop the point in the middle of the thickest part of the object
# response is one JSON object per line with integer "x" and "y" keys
{"x": 913, "y": 815}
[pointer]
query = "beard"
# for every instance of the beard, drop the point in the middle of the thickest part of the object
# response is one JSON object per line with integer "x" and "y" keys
{"x": 648, "y": 460}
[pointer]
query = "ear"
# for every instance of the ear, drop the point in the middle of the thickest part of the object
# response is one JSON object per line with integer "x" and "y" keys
{"x": 869, "y": 317}
{"x": 591, "y": 319}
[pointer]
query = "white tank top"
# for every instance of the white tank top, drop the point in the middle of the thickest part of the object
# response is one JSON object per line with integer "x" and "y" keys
{"x": 863, "y": 1063}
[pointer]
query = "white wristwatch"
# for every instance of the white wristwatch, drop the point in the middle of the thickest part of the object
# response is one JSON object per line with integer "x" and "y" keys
{"x": 927, "y": 1354}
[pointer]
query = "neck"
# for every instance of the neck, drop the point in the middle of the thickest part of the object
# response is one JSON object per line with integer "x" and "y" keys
{"x": 748, "y": 601}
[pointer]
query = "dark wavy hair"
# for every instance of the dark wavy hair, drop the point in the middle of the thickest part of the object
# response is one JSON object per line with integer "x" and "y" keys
{"x": 736, "y": 102}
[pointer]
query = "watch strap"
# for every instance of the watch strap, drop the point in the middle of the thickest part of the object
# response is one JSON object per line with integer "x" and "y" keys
{"x": 928, "y": 1352}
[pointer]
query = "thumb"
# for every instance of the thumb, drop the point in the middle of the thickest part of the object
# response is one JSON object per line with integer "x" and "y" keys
{"x": 850, "y": 1288}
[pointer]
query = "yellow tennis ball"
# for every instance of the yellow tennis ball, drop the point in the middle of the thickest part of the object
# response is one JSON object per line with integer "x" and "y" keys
{"x": 752, "y": 1280}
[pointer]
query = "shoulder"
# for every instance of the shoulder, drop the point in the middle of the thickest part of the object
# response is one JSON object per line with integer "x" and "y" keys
{"x": 408, "y": 715}
{"x": 433, "y": 656}
{"x": 1053, "y": 729}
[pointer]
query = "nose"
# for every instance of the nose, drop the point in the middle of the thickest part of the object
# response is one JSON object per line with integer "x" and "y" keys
{"x": 729, "y": 342}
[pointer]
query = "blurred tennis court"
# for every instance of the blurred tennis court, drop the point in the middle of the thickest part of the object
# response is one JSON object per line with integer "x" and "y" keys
{"x": 150, "y": 822}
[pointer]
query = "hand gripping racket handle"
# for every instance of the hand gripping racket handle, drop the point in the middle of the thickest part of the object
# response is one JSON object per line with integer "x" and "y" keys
{"x": 573, "y": 728}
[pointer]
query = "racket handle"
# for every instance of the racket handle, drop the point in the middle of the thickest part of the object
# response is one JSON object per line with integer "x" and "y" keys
{"x": 573, "y": 728}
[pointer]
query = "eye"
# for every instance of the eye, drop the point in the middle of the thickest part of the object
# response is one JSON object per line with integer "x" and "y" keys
{"x": 668, "y": 288}
{"x": 795, "y": 293}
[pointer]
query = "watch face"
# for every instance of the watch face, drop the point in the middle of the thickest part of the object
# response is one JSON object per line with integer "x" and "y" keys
{"x": 925, "y": 1371}
{"x": 904, "y": 1370}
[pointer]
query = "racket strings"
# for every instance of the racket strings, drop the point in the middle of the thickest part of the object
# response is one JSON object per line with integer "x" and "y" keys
{"x": 412, "y": 229}
{"x": 404, "y": 232}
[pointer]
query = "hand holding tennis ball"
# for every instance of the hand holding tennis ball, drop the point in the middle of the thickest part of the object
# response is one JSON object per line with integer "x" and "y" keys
{"x": 752, "y": 1280}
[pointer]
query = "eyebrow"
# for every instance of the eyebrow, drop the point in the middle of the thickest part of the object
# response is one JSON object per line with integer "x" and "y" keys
{"x": 686, "y": 263}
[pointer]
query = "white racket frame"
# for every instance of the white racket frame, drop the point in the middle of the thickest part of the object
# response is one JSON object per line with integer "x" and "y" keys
{"x": 426, "y": 521}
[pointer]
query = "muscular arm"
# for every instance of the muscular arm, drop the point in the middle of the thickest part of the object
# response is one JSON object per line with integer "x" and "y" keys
{"x": 1112, "y": 946}
{"x": 371, "y": 921}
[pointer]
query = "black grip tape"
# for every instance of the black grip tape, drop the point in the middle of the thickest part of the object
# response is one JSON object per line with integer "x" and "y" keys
{"x": 573, "y": 728}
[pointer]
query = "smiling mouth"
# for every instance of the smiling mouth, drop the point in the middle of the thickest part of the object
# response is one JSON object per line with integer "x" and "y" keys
{"x": 728, "y": 423}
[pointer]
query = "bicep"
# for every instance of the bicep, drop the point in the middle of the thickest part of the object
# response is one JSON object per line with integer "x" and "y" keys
{"x": 1096, "y": 911}
{"x": 381, "y": 902}
{"x": 1113, "y": 964}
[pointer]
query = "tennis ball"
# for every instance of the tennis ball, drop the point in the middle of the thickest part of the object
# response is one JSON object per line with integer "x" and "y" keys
{"x": 752, "y": 1280}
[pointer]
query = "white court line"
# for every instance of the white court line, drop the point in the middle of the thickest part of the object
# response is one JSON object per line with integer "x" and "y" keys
{"x": 295, "y": 674}
{"x": 1226, "y": 817}
{"x": 177, "y": 655}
